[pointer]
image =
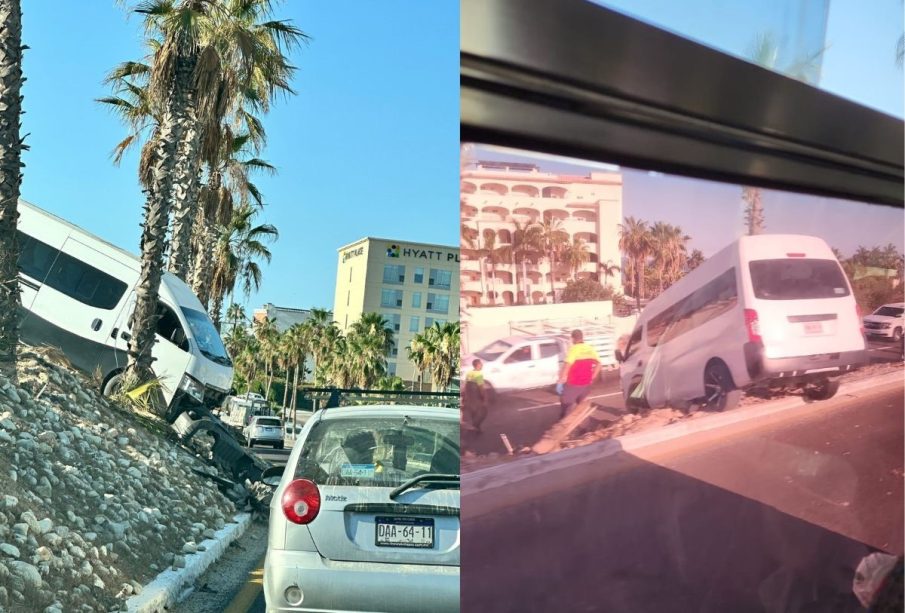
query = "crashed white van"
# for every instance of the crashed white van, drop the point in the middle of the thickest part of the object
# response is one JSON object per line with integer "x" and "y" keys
{"x": 767, "y": 310}
{"x": 78, "y": 294}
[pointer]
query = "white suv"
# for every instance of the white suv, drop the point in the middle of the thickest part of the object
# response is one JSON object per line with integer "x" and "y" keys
{"x": 264, "y": 430}
{"x": 887, "y": 321}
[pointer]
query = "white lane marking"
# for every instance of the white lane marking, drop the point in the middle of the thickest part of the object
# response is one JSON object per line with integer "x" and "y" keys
{"x": 556, "y": 404}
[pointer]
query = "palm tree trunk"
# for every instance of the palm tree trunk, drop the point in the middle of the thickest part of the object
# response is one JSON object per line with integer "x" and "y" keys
{"x": 185, "y": 192}
{"x": 203, "y": 270}
{"x": 552, "y": 275}
{"x": 269, "y": 379}
{"x": 215, "y": 308}
{"x": 286, "y": 390}
{"x": 154, "y": 230}
{"x": 10, "y": 181}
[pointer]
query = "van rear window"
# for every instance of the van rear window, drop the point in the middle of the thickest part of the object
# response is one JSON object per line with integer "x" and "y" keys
{"x": 797, "y": 279}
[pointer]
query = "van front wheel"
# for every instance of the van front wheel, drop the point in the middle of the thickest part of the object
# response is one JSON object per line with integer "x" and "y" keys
{"x": 719, "y": 390}
{"x": 822, "y": 390}
{"x": 113, "y": 385}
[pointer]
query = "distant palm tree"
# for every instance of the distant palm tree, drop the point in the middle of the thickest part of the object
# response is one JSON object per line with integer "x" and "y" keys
{"x": 322, "y": 332}
{"x": 608, "y": 270}
{"x": 10, "y": 179}
{"x": 436, "y": 350}
{"x": 240, "y": 246}
{"x": 376, "y": 326}
{"x": 526, "y": 247}
{"x": 694, "y": 260}
{"x": 636, "y": 243}
{"x": 575, "y": 254}
{"x": 268, "y": 338}
{"x": 234, "y": 314}
{"x": 553, "y": 238}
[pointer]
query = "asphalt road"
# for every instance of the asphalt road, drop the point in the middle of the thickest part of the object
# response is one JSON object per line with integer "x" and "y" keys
{"x": 772, "y": 515}
{"x": 524, "y": 416}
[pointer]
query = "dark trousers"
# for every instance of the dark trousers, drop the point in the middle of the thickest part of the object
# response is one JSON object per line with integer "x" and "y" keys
{"x": 572, "y": 395}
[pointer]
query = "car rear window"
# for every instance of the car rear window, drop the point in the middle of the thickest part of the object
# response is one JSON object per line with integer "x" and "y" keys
{"x": 889, "y": 311}
{"x": 381, "y": 451}
{"x": 268, "y": 421}
{"x": 797, "y": 279}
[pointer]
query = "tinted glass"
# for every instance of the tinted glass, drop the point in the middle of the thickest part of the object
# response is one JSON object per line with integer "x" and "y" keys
{"x": 381, "y": 452}
{"x": 889, "y": 311}
{"x": 549, "y": 350}
{"x": 35, "y": 257}
{"x": 268, "y": 421}
{"x": 522, "y": 354}
{"x": 797, "y": 279}
{"x": 706, "y": 303}
{"x": 169, "y": 328}
{"x": 85, "y": 283}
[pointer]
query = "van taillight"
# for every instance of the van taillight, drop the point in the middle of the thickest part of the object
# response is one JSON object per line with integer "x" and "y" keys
{"x": 752, "y": 325}
{"x": 860, "y": 318}
{"x": 301, "y": 501}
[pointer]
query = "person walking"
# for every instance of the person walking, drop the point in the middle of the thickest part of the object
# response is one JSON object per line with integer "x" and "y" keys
{"x": 474, "y": 398}
{"x": 578, "y": 372}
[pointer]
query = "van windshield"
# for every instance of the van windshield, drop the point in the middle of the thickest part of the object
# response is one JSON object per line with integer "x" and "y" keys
{"x": 493, "y": 350}
{"x": 797, "y": 279}
{"x": 207, "y": 337}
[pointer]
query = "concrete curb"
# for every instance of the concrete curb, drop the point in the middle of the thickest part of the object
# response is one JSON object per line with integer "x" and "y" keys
{"x": 168, "y": 586}
{"x": 519, "y": 470}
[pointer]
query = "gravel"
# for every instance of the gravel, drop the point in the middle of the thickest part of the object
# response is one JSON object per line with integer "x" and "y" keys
{"x": 96, "y": 500}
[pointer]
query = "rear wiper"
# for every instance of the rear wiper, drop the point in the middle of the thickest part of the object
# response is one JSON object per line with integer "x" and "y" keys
{"x": 435, "y": 479}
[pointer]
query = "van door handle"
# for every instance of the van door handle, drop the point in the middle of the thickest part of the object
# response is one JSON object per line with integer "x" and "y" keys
{"x": 125, "y": 336}
{"x": 113, "y": 334}
{"x": 96, "y": 324}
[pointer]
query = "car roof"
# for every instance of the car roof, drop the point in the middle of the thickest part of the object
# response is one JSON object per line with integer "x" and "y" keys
{"x": 512, "y": 340}
{"x": 898, "y": 305}
{"x": 388, "y": 410}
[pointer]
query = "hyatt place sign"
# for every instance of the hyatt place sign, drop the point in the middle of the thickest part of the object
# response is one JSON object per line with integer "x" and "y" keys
{"x": 395, "y": 251}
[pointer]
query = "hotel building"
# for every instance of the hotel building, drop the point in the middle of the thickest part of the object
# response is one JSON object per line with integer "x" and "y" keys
{"x": 412, "y": 285}
{"x": 498, "y": 197}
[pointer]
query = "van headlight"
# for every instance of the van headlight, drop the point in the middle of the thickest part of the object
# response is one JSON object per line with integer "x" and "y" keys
{"x": 192, "y": 387}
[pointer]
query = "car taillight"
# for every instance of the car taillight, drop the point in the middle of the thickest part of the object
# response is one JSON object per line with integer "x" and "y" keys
{"x": 860, "y": 317}
{"x": 301, "y": 501}
{"x": 752, "y": 325}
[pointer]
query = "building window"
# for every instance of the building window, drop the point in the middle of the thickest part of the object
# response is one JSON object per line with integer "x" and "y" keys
{"x": 416, "y": 300}
{"x": 391, "y": 298}
{"x": 428, "y": 322}
{"x": 391, "y": 369}
{"x": 396, "y": 321}
{"x": 438, "y": 303}
{"x": 393, "y": 273}
{"x": 419, "y": 274}
{"x": 415, "y": 324}
{"x": 440, "y": 279}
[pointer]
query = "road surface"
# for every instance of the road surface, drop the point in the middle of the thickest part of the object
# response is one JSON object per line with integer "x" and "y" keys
{"x": 769, "y": 515}
{"x": 524, "y": 416}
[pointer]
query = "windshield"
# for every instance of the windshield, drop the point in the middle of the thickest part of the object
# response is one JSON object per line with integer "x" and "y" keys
{"x": 493, "y": 350}
{"x": 207, "y": 337}
{"x": 384, "y": 452}
{"x": 269, "y": 421}
{"x": 888, "y": 311}
{"x": 798, "y": 279}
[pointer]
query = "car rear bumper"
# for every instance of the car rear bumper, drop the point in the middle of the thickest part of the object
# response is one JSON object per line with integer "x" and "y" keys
{"x": 358, "y": 586}
{"x": 761, "y": 368}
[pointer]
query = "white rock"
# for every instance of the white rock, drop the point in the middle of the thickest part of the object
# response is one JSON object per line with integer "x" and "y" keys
{"x": 190, "y": 547}
{"x": 10, "y": 550}
{"x": 28, "y": 575}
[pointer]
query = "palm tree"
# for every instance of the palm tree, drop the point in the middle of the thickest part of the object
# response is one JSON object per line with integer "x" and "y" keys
{"x": 269, "y": 347}
{"x": 11, "y": 172}
{"x": 694, "y": 260}
{"x": 636, "y": 243}
{"x": 322, "y": 332}
{"x": 608, "y": 270}
{"x": 374, "y": 325}
{"x": 575, "y": 254}
{"x": 525, "y": 247}
{"x": 240, "y": 246}
{"x": 436, "y": 350}
{"x": 552, "y": 238}
{"x": 234, "y": 314}
{"x": 299, "y": 347}
{"x": 469, "y": 237}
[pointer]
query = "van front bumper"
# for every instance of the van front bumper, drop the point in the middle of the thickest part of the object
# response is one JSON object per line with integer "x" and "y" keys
{"x": 328, "y": 585}
{"x": 761, "y": 368}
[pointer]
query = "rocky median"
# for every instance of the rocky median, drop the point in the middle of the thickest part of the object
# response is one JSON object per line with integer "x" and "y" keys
{"x": 95, "y": 501}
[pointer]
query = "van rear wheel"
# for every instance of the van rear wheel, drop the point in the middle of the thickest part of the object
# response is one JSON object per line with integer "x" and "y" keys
{"x": 822, "y": 390}
{"x": 719, "y": 390}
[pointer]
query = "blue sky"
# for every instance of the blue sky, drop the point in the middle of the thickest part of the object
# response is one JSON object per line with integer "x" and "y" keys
{"x": 369, "y": 146}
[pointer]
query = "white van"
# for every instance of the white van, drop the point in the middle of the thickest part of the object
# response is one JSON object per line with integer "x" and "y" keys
{"x": 768, "y": 310}
{"x": 78, "y": 294}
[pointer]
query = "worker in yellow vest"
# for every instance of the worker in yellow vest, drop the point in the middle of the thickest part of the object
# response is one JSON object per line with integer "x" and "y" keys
{"x": 578, "y": 372}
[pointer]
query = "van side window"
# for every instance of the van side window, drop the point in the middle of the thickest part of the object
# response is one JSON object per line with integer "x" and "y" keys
{"x": 169, "y": 328}
{"x": 522, "y": 354}
{"x": 634, "y": 341}
{"x": 81, "y": 281}
{"x": 696, "y": 309}
{"x": 35, "y": 257}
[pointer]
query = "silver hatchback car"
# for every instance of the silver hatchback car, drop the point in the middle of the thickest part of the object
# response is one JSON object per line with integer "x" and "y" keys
{"x": 366, "y": 515}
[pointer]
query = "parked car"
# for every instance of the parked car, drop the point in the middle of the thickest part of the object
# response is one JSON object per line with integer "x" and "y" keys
{"x": 886, "y": 322}
{"x": 264, "y": 430}
{"x": 366, "y": 514}
{"x": 520, "y": 362}
{"x": 767, "y": 310}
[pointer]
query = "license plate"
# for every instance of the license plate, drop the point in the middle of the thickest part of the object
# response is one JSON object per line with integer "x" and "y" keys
{"x": 813, "y": 327}
{"x": 416, "y": 532}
